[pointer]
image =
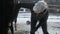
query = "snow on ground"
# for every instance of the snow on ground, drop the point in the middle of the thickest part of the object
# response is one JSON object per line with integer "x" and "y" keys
{"x": 53, "y": 24}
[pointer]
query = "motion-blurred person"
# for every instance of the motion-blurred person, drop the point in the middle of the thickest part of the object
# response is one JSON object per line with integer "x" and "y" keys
{"x": 7, "y": 13}
{"x": 39, "y": 13}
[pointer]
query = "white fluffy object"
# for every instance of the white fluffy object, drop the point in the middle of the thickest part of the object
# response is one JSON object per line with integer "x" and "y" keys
{"x": 40, "y": 6}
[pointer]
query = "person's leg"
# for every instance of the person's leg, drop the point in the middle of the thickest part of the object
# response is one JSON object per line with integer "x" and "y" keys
{"x": 44, "y": 27}
{"x": 11, "y": 28}
{"x": 15, "y": 24}
{"x": 43, "y": 22}
{"x": 38, "y": 26}
{"x": 33, "y": 23}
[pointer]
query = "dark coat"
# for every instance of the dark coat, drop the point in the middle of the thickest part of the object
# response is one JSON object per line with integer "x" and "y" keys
{"x": 7, "y": 14}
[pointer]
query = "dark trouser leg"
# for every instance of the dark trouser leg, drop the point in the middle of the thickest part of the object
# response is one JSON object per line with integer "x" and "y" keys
{"x": 38, "y": 26}
{"x": 15, "y": 24}
{"x": 43, "y": 24}
{"x": 44, "y": 27}
{"x": 12, "y": 30}
{"x": 33, "y": 24}
{"x": 43, "y": 21}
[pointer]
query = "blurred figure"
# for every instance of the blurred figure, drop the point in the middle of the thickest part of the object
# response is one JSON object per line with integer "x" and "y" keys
{"x": 7, "y": 13}
{"x": 39, "y": 13}
{"x": 10, "y": 26}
